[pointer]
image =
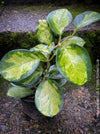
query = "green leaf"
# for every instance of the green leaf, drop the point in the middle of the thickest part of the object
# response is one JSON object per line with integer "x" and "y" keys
{"x": 56, "y": 76}
{"x": 74, "y": 63}
{"x": 86, "y": 18}
{"x": 48, "y": 98}
{"x": 19, "y": 92}
{"x": 60, "y": 82}
{"x": 32, "y": 80}
{"x": 74, "y": 40}
{"x": 18, "y": 64}
{"x": 44, "y": 33}
{"x": 54, "y": 73}
{"x": 58, "y": 20}
{"x": 42, "y": 51}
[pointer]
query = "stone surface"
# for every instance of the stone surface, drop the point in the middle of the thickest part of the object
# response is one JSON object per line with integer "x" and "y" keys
{"x": 13, "y": 19}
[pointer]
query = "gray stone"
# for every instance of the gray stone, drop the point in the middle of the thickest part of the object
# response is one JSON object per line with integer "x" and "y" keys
{"x": 3, "y": 127}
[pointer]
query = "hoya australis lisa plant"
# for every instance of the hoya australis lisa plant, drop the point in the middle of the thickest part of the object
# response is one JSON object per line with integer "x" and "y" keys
{"x": 30, "y": 70}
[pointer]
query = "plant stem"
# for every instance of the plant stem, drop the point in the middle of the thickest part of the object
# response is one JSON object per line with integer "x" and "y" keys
{"x": 48, "y": 66}
{"x": 59, "y": 39}
{"x": 59, "y": 43}
{"x": 62, "y": 42}
{"x": 74, "y": 32}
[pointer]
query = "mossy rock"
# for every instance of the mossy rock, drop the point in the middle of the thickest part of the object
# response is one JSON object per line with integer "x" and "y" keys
{"x": 9, "y": 41}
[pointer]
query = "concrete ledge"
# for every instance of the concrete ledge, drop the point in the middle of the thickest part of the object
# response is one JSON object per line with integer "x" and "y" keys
{"x": 13, "y": 19}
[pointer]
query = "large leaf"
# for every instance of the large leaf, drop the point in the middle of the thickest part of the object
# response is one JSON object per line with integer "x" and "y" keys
{"x": 18, "y": 64}
{"x": 74, "y": 40}
{"x": 19, "y": 92}
{"x": 86, "y": 18}
{"x": 74, "y": 63}
{"x": 32, "y": 80}
{"x": 42, "y": 51}
{"x": 44, "y": 33}
{"x": 58, "y": 20}
{"x": 48, "y": 98}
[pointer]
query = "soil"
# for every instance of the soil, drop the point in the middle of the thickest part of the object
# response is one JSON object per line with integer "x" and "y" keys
{"x": 78, "y": 115}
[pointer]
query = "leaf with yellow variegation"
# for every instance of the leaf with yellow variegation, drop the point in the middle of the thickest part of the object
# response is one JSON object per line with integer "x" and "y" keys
{"x": 44, "y": 33}
{"x": 58, "y": 20}
{"x": 48, "y": 98}
{"x": 74, "y": 63}
{"x": 86, "y": 18}
{"x": 18, "y": 64}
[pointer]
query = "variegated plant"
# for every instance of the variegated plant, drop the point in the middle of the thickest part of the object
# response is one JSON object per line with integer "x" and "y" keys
{"x": 30, "y": 70}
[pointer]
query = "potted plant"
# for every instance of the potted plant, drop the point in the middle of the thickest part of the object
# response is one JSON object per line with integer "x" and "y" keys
{"x": 32, "y": 73}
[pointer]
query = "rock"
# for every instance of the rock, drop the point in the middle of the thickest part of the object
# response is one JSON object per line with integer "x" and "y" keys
{"x": 3, "y": 127}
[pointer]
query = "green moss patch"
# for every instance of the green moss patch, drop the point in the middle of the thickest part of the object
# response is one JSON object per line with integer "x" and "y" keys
{"x": 9, "y": 41}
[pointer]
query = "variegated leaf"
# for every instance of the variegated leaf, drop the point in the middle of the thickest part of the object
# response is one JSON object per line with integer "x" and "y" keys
{"x": 48, "y": 98}
{"x": 74, "y": 63}
{"x": 19, "y": 92}
{"x": 60, "y": 82}
{"x": 32, "y": 80}
{"x": 86, "y": 18}
{"x": 58, "y": 20}
{"x": 74, "y": 40}
{"x": 56, "y": 76}
{"x": 18, "y": 64}
{"x": 44, "y": 33}
{"x": 42, "y": 50}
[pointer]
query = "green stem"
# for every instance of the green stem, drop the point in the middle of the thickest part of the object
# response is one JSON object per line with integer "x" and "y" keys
{"x": 62, "y": 42}
{"x": 59, "y": 39}
{"x": 59, "y": 43}
{"x": 48, "y": 66}
{"x": 74, "y": 32}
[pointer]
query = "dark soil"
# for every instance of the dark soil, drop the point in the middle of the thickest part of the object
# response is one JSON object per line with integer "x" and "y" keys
{"x": 78, "y": 115}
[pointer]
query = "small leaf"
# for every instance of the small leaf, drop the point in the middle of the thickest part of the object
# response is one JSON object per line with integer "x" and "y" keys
{"x": 42, "y": 51}
{"x": 48, "y": 98}
{"x": 54, "y": 73}
{"x": 56, "y": 76}
{"x": 86, "y": 18}
{"x": 32, "y": 80}
{"x": 74, "y": 40}
{"x": 18, "y": 64}
{"x": 74, "y": 63}
{"x": 19, "y": 92}
{"x": 44, "y": 33}
{"x": 58, "y": 20}
{"x": 60, "y": 82}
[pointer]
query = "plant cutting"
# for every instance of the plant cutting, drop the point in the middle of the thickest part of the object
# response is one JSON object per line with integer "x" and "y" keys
{"x": 32, "y": 72}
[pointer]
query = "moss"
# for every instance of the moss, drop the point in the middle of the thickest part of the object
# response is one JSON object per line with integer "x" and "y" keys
{"x": 9, "y": 41}
{"x": 4, "y": 86}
